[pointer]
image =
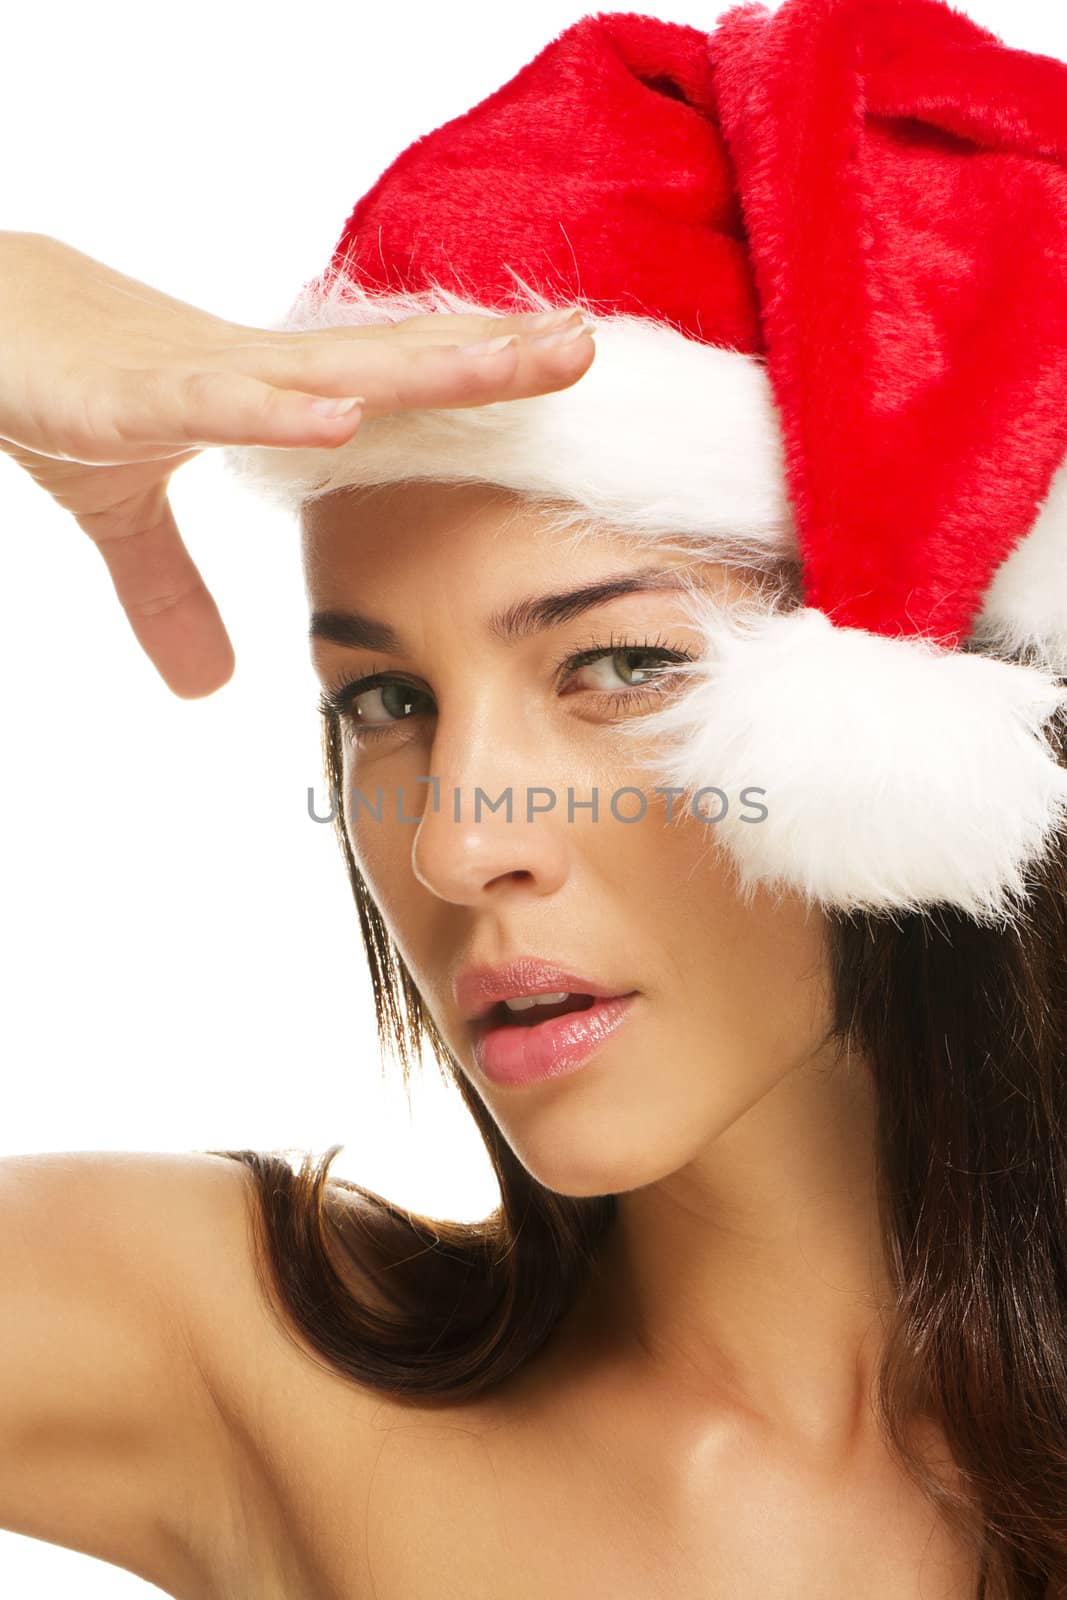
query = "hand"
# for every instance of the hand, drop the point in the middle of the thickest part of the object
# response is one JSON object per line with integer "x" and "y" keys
{"x": 107, "y": 386}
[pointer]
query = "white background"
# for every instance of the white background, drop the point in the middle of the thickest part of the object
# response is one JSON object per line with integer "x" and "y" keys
{"x": 182, "y": 966}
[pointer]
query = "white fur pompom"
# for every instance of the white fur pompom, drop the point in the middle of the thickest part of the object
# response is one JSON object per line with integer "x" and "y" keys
{"x": 895, "y": 774}
{"x": 1024, "y": 609}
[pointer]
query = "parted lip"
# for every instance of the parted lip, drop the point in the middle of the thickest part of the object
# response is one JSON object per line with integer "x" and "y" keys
{"x": 479, "y": 989}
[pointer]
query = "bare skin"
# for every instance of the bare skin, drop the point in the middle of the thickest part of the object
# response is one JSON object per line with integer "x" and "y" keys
{"x": 700, "y": 1425}
{"x": 107, "y": 386}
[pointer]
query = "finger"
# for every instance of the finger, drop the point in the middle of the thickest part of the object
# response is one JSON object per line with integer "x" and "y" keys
{"x": 452, "y": 327}
{"x": 540, "y": 368}
{"x": 172, "y": 614}
{"x": 165, "y": 412}
{"x": 218, "y": 406}
{"x": 395, "y": 374}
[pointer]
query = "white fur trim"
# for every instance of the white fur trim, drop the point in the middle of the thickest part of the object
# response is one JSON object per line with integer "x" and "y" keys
{"x": 1024, "y": 610}
{"x": 661, "y": 434}
{"x": 897, "y": 775}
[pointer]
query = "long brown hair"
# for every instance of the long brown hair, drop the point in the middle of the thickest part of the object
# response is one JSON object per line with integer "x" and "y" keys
{"x": 964, "y": 1027}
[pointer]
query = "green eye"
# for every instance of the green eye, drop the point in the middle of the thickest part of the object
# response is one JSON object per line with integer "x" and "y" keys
{"x": 401, "y": 700}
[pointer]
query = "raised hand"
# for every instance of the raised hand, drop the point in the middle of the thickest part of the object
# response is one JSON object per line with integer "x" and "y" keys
{"x": 107, "y": 386}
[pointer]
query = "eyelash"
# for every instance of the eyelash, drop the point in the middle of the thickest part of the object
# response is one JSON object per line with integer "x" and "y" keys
{"x": 336, "y": 698}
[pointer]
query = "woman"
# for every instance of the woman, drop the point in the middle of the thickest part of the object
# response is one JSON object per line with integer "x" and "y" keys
{"x": 774, "y": 1301}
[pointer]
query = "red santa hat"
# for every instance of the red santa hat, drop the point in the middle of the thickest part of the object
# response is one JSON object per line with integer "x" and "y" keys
{"x": 825, "y": 252}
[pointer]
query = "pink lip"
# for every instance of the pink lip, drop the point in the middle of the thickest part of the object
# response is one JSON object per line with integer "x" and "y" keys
{"x": 480, "y": 988}
{"x": 513, "y": 1054}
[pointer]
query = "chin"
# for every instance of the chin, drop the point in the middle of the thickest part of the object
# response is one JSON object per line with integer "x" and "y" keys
{"x": 624, "y": 1150}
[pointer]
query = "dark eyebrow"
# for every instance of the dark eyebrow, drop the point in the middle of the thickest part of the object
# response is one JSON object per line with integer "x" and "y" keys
{"x": 359, "y": 632}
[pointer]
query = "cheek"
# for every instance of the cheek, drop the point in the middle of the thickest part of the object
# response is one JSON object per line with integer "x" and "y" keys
{"x": 743, "y": 996}
{"x": 757, "y": 973}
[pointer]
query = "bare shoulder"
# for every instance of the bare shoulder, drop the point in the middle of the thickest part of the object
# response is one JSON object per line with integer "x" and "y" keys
{"x": 148, "y": 1388}
{"x": 289, "y": 1425}
{"x": 113, "y": 1437}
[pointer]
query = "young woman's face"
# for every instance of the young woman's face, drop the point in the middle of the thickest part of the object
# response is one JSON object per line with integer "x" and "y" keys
{"x": 730, "y": 998}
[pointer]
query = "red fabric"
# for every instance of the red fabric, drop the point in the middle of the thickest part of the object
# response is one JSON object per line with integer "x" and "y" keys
{"x": 904, "y": 189}
{"x": 583, "y": 177}
{"x": 871, "y": 194}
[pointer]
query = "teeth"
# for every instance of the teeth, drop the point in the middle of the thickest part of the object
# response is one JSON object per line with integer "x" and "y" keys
{"x": 523, "y": 1003}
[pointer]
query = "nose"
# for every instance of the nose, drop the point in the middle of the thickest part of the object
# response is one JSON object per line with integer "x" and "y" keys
{"x": 465, "y": 847}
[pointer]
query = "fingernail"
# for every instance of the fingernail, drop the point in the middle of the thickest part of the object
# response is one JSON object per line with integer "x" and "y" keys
{"x": 553, "y": 319}
{"x": 563, "y": 335}
{"x": 337, "y": 408}
{"x": 489, "y": 347}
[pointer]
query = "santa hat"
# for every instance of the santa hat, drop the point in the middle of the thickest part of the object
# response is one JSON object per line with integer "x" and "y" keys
{"x": 825, "y": 252}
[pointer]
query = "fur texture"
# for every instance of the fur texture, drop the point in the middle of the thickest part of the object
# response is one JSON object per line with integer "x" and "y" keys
{"x": 1024, "y": 610}
{"x": 903, "y": 179}
{"x": 800, "y": 237}
{"x": 896, "y": 775}
{"x": 662, "y": 434}
{"x": 826, "y": 252}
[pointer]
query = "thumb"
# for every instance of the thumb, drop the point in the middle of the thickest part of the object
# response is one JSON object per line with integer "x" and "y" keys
{"x": 170, "y": 609}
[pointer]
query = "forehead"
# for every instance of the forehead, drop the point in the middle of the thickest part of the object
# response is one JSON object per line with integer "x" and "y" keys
{"x": 463, "y": 534}
{"x": 422, "y": 506}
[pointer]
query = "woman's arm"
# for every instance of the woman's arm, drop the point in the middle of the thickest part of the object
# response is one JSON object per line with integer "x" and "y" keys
{"x": 111, "y": 1441}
